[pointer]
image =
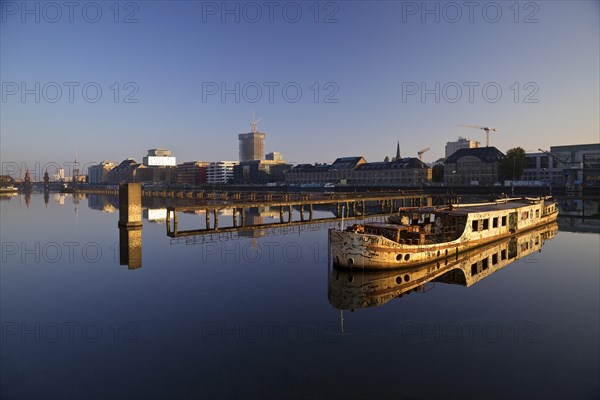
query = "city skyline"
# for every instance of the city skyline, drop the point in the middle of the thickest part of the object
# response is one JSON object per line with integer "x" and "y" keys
{"x": 183, "y": 79}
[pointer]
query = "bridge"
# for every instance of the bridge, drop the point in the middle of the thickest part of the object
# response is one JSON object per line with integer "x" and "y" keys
{"x": 343, "y": 205}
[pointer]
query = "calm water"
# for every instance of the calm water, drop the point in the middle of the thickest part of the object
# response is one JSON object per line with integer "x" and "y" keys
{"x": 256, "y": 317}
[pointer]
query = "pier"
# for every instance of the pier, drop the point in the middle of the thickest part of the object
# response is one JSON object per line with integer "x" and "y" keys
{"x": 343, "y": 205}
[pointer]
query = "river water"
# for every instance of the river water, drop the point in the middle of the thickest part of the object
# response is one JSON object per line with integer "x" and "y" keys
{"x": 265, "y": 315}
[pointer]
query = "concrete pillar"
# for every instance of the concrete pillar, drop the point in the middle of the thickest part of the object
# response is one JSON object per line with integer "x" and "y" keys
{"x": 243, "y": 216}
{"x": 301, "y": 212}
{"x": 207, "y": 215}
{"x": 130, "y": 224}
{"x": 310, "y": 212}
{"x": 289, "y": 213}
{"x": 216, "y": 213}
{"x": 130, "y": 205}
{"x": 234, "y": 217}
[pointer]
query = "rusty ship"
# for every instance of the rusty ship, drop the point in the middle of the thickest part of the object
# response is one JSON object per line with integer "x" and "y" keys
{"x": 420, "y": 235}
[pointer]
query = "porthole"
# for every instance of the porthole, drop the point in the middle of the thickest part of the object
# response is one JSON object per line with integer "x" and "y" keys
{"x": 406, "y": 257}
{"x": 399, "y": 257}
{"x": 406, "y": 278}
{"x": 350, "y": 278}
{"x": 350, "y": 261}
{"x": 398, "y": 280}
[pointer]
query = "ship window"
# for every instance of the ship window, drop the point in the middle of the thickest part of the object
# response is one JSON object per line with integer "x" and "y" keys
{"x": 494, "y": 258}
{"x": 503, "y": 254}
{"x": 486, "y": 224}
{"x": 406, "y": 278}
{"x": 537, "y": 213}
{"x": 473, "y": 269}
{"x": 398, "y": 280}
{"x": 399, "y": 257}
{"x": 475, "y": 226}
{"x": 495, "y": 222}
{"x": 484, "y": 263}
{"x": 406, "y": 257}
{"x": 504, "y": 221}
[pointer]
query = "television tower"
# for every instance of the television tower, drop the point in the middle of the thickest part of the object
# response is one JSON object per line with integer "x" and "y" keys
{"x": 75, "y": 167}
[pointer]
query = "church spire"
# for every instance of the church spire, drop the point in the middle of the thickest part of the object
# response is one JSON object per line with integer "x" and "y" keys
{"x": 398, "y": 151}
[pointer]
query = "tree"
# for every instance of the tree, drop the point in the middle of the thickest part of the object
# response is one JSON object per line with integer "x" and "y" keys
{"x": 386, "y": 159}
{"x": 511, "y": 168}
{"x": 437, "y": 173}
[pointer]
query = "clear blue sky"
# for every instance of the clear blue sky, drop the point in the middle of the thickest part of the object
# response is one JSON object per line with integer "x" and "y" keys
{"x": 366, "y": 58}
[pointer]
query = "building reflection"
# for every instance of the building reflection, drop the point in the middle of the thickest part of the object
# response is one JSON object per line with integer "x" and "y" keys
{"x": 158, "y": 215}
{"x": 351, "y": 290}
{"x": 257, "y": 216}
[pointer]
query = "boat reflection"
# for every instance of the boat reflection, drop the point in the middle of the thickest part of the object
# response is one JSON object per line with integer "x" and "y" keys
{"x": 351, "y": 290}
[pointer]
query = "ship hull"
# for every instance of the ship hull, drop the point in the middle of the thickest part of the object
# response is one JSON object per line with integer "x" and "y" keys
{"x": 350, "y": 249}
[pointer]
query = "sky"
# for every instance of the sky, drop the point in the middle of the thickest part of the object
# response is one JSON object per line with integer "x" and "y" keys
{"x": 328, "y": 79}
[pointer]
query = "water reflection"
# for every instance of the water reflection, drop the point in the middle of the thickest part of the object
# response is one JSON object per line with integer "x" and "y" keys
{"x": 130, "y": 247}
{"x": 350, "y": 290}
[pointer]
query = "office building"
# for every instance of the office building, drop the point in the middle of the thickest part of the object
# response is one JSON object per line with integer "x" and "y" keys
{"x": 98, "y": 174}
{"x": 252, "y": 146}
{"x": 192, "y": 173}
{"x": 461, "y": 143}
{"x": 126, "y": 171}
{"x": 473, "y": 166}
{"x": 159, "y": 158}
{"x": 357, "y": 171}
{"x": 565, "y": 165}
{"x": 220, "y": 172}
{"x": 260, "y": 171}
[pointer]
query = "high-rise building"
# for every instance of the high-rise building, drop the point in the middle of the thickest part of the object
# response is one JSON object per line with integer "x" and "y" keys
{"x": 252, "y": 146}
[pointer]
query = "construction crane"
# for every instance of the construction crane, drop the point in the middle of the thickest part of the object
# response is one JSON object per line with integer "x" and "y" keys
{"x": 254, "y": 122}
{"x": 486, "y": 129}
{"x": 570, "y": 170}
{"x": 564, "y": 159}
{"x": 420, "y": 152}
